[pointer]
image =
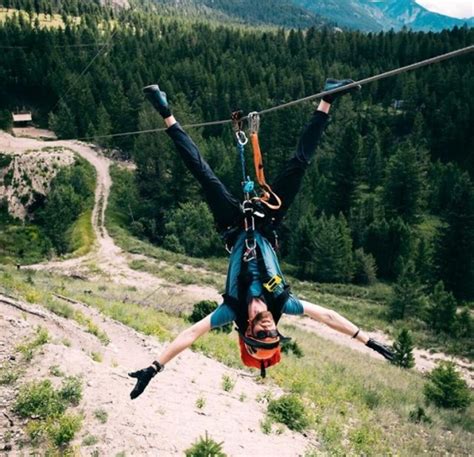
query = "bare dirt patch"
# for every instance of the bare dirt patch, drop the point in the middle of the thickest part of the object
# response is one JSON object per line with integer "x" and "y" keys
{"x": 165, "y": 419}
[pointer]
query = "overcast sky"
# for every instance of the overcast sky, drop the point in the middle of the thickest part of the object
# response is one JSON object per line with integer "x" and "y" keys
{"x": 454, "y": 8}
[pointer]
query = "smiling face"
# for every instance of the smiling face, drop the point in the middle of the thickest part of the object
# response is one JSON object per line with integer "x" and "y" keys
{"x": 262, "y": 321}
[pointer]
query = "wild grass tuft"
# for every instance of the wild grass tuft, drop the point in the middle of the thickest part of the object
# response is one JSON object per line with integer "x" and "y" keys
{"x": 228, "y": 383}
{"x": 29, "y": 348}
{"x": 101, "y": 415}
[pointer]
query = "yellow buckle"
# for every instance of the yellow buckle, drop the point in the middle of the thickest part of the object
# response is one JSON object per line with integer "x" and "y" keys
{"x": 273, "y": 283}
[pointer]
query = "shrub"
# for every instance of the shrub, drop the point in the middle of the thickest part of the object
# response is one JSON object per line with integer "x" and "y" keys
{"x": 204, "y": 308}
{"x": 205, "y": 447}
{"x": 403, "y": 350}
{"x": 71, "y": 390}
{"x": 8, "y": 375}
{"x": 419, "y": 415}
{"x": 62, "y": 430}
{"x": 38, "y": 399}
{"x": 446, "y": 388}
{"x": 289, "y": 410}
{"x": 90, "y": 440}
{"x": 292, "y": 346}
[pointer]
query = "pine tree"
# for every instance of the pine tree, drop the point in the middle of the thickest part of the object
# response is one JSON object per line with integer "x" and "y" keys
{"x": 441, "y": 311}
{"x": 63, "y": 123}
{"x": 332, "y": 250}
{"x": 403, "y": 187}
{"x": 455, "y": 244}
{"x": 345, "y": 170}
{"x": 403, "y": 350}
{"x": 446, "y": 388}
{"x": 407, "y": 294}
{"x": 103, "y": 126}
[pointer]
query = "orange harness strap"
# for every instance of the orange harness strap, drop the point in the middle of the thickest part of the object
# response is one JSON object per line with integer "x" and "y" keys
{"x": 258, "y": 163}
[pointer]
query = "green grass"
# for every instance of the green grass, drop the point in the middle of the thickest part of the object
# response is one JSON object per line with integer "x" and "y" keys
{"x": 29, "y": 348}
{"x": 81, "y": 235}
{"x": 354, "y": 404}
{"x": 8, "y": 374}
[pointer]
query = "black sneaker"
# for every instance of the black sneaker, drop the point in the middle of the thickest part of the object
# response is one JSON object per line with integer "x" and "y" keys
{"x": 334, "y": 84}
{"x": 158, "y": 99}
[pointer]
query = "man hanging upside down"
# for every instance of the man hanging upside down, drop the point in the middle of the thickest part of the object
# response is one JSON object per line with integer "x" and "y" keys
{"x": 256, "y": 293}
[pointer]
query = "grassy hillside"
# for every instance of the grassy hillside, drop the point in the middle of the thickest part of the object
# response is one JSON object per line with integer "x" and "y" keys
{"x": 353, "y": 403}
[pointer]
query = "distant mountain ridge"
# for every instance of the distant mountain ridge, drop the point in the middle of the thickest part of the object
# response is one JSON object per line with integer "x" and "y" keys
{"x": 283, "y": 13}
{"x": 364, "y": 15}
{"x": 377, "y": 15}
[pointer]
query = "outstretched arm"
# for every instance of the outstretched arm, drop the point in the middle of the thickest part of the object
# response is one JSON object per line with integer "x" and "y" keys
{"x": 341, "y": 324}
{"x": 333, "y": 320}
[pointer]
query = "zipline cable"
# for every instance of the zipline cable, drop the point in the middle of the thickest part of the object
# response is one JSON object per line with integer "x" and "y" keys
{"x": 371, "y": 79}
{"x": 84, "y": 45}
{"x": 362, "y": 82}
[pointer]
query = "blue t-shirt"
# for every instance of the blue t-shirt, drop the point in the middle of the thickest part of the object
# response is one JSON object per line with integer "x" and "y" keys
{"x": 225, "y": 314}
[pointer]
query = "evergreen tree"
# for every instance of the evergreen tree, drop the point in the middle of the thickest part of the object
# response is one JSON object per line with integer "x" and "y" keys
{"x": 365, "y": 268}
{"x": 403, "y": 350}
{"x": 441, "y": 312}
{"x": 103, "y": 126}
{"x": 332, "y": 250}
{"x": 446, "y": 388}
{"x": 301, "y": 241}
{"x": 407, "y": 294}
{"x": 455, "y": 244}
{"x": 63, "y": 123}
{"x": 345, "y": 170}
{"x": 403, "y": 187}
{"x": 192, "y": 226}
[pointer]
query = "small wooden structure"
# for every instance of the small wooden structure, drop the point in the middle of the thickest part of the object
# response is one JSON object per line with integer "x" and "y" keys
{"x": 22, "y": 119}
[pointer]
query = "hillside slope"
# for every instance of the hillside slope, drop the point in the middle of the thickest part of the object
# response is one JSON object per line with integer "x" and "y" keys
{"x": 164, "y": 420}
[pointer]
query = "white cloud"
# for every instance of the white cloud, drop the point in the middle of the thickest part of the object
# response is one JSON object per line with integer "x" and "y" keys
{"x": 454, "y": 8}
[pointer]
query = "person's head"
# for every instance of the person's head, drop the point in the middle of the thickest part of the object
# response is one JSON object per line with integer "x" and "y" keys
{"x": 260, "y": 345}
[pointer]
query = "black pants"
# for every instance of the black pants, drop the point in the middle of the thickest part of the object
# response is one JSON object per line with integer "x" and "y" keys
{"x": 224, "y": 206}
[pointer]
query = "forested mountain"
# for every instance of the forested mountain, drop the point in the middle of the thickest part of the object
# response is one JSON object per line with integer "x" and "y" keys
{"x": 376, "y": 15}
{"x": 271, "y": 12}
{"x": 390, "y": 191}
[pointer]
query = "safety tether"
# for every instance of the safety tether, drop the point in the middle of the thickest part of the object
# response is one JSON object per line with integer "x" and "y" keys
{"x": 267, "y": 192}
{"x": 248, "y": 187}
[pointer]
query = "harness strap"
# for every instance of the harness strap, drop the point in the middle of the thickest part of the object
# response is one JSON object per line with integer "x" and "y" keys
{"x": 268, "y": 193}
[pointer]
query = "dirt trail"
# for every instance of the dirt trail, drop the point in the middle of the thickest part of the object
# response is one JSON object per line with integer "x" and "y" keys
{"x": 165, "y": 419}
{"x": 106, "y": 256}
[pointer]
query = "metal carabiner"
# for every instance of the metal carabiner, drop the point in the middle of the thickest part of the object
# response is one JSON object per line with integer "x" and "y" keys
{"x": 254, "y": 122}
{"x": 246, "y": 225}
{"x": 241, "y": 137}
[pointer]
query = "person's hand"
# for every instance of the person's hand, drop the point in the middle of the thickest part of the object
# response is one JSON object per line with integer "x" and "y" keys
{"x": 386, "y": 351}
{"x": 143, "y": 377}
